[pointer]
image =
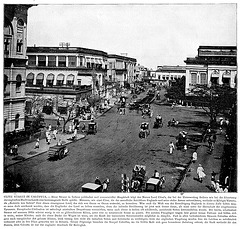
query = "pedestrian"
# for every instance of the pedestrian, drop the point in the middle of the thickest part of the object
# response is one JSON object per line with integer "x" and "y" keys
{"x": 49, "y": 127}
{"x": 55, "y": 134}
{"x": 70, "y": 129}
{"x": 75, "y": 133}
{"x": 59, "y": 143}
{"x": 83, "y": 128}
{"x": 37, "y": 144}
{"x": 213, "y": 180}
{"x": 49, "y": 139}
{"x": 200, "y": 173}
{"x": 97, "y": 181}
{"x": 194, "y": 157}
{"x": 171, "y": 147}
{"x": 47, "y": 133}
{"x": 156, "y": 174}
{"x": 185, "y": 148}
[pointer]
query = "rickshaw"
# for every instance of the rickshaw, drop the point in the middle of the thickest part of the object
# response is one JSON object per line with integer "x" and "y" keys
{"x": 144, "y": 130}
{"x": 138, "y": 178}
{"x": 92, "y": 128}
{"x": 57, "y": 151}
{"x": 158, "y": 122}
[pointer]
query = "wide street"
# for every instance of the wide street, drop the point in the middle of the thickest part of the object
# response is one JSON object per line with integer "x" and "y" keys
{"x": 114, "y": 150}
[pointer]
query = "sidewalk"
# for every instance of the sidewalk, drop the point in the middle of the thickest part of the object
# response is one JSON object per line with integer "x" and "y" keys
{"x": 26, "y": 151}
{"x": 210, "y": 162}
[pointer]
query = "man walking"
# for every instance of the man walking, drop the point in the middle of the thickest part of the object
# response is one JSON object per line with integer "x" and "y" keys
{"x": 171, "y": 147}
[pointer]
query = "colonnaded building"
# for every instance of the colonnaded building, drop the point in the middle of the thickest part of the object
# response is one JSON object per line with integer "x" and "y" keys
{"x": 15, "y": 58}
{"x": 75, "y": 73}
{"x": 212, "y": 65}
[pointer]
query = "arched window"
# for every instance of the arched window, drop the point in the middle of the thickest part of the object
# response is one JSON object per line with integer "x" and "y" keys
{"x": 17, "y": 121}
{"x": 70, "y": 80}
{"x": 18, "y": 82}
{"x": 60, "y": 79}
{"x": 30, "y": 78}
{"x": 20, "y": 28}
{"x": 5, "y": 82}
{"x": 50, "y": 79}
{"x": 39, "y": 79}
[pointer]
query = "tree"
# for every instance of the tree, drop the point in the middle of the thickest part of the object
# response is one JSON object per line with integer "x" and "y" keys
{"x": 34, "y": 104}
{"x": 71, "y": 114}
{"x": 177, "y": 90}
{"x": 214, "y": 100}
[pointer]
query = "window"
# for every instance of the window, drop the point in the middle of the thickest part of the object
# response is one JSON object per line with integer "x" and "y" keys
{"x": 60, "y": 79}
{"x": 50, "y": 79}
{"x": 88, "y": 65}
{"x": 194, "y": 78}
{"x": 203, "y": 78}
{"x": 19, "y": 45}
{"x": 226, "y": 81}
{"x": 70, "y": 80}
{"x": 31, "y": 60}
{"x": 30, "y": 78}
{"x": 42, "y": 61}
{"x": 61, "y": 61}
{"x": 39, "y": 79}
{"x": 72, "y": 60}
{"x": 18, "y": 82}
{"x": 81, "y": 61}
{"x": 5, "y": 82}
{"x": 17, "y": 121}
{"x": 52, "y": 61}
{"x": 6, "y": 45}
{"x": 79, "y": 82}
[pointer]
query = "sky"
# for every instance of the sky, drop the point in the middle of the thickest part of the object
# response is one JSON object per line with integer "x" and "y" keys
{"x": 154, "y": 34}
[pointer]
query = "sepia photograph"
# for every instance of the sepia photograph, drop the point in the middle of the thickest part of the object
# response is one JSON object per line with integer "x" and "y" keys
{"x": 119, "y": 98}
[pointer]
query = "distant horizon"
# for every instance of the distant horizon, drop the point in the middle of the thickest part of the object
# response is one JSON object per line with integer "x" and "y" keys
{"x": 155, "y": 35}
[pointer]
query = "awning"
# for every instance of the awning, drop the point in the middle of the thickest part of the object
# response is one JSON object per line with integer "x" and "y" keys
{"x": 40, "y": 76}
{"x": 50, "y": 77}
{"x": 60, "y": 77}
{"x": 70, "y": 77}
{"x": 30, "y": 76}
{"x": 215, "y": 75}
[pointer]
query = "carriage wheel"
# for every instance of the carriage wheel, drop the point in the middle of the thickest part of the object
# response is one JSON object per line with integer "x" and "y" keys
{"x": 61, "y": 154}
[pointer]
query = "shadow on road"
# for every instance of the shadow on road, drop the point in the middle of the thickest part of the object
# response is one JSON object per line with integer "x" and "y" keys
{"x": 173, "y": 164}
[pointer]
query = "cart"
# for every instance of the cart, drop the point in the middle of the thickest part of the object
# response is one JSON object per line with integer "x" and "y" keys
{"x": 138, "y": 178}
{"x": 92, "y": 128}
{"x": 58, "y": 151}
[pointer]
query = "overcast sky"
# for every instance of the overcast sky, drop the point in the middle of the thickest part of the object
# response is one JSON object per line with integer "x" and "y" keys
{"x": 153, "y": 34}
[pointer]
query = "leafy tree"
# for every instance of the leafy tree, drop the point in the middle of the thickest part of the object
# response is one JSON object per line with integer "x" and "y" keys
{"x": 214, "y": 100}
{"x": 71, "y": 115}
{"x": 177, "y": 90}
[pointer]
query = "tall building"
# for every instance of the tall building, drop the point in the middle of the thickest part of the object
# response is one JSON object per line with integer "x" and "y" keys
{"x": 65, "y": 73}
{"x": 15, "y": 58}
{"x": 212, "y": 65}
{"x": 121, "y": 69}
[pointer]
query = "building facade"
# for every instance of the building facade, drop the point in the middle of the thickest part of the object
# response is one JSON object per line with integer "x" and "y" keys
{"x": 121, "y": 69}
{"x": 212, "y": 65}
{"x": 15, "y": 58}
{"x": 167, "y": 74}
{"x": 65, "y": 73}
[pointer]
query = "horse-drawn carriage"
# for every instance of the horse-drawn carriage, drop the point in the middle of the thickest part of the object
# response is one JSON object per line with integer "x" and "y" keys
{"x": 154, "y": 184}
{"x": 144, "y": 130}
{"x": 138, "y": 180}
{"x": 173, "y": 123}
{"x": 57, "y": 151}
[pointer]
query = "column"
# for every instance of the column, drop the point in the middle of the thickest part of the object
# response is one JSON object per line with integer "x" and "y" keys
{"x": 66, "y": 61}
{"x": 46, "y": 60}
{"x": 56, "y": 61}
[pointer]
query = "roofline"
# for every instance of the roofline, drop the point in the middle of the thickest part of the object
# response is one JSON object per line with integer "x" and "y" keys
{"x": 121, "y": 57}
{"x": 217, "y": 47}
{"x": 49, "y": 49}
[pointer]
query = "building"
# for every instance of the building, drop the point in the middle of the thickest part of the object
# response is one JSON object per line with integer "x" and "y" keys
{"x": 167, "y": 74}
{"x": 121, "y": 69}
{"x": 15, "y": 58}
{"x": 65, "y": 73}
{"x": 212, "y": 65}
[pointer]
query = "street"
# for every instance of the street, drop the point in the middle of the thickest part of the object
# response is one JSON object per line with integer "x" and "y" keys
{"x": 114, "y": 150}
